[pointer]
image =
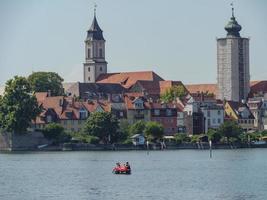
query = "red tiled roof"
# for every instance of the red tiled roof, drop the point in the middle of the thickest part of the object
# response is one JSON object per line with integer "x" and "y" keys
{"x": 61, "y": 106}
{"x": 257, "y": 87}
{"x": 164, "y": 85}
{"x": 127, "y": 79}
{"x": 40, "y": 96}
{"x": 198, "y": 88}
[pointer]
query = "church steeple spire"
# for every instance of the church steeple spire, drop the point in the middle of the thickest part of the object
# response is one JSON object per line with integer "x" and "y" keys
{"x": 232, "y": 26}
{"x": 232, "y": 9}
{"x": 95, "y": 32}
{"x": 95, "y": 63}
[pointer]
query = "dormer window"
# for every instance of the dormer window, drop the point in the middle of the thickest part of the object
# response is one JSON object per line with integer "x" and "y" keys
{"x": 69, "y": 115}
{"x": 138, "y": 105}
{"x": 83, "y": 114}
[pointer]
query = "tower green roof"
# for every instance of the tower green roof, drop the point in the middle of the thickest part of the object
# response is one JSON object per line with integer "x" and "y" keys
{"x": 232, "y": 27}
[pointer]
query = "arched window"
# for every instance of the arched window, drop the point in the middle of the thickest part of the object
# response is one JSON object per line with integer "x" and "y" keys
{"x": 89, "y": 53}
{"x": 100, "y": 53}
{"x": 89, "y": 78}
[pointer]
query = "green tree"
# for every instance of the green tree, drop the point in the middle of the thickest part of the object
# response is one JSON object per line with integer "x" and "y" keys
{"x": 195, "y": 138}
{"x": 56, "y": 133}
{"x": 102, "y": 125}
{"x": 46, "y": 81}
{"x": 153, "y": 131}
{"x": 137, "y": 128}
{"x": 18, "y": 106}
{"x": 214, "y": 136}
{"x": 181, "y": 137}
{"x": 230, "y": 129}
{"x": 171, "y": 94}
{"x": 124, "y": 131}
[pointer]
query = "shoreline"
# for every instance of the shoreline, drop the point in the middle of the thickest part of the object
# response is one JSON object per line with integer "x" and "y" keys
{"x": 123, "y": 147}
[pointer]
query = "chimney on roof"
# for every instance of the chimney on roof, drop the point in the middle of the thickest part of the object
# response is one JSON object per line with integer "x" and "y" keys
{"x": 60, "y": 102}
{"x": 89, "y": 101}
{"x": 109, "y": 97}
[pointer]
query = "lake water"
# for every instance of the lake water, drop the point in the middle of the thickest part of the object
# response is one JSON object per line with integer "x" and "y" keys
{"x": 180, "y": 174}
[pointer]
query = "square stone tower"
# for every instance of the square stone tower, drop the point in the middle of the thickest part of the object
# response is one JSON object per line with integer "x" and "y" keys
{"x": 233, "y": 64}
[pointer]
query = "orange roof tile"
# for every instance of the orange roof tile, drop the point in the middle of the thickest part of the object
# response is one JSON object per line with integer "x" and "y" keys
{"x": 127, "y": 79}
{"x": 164, "y": 85}
{"x": 197, "y": 88}
{"x": 257, "y": 87}
{"x": 40, "y": 96}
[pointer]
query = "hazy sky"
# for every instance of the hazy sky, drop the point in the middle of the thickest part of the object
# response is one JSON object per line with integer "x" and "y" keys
{"x": 174, "y": 38}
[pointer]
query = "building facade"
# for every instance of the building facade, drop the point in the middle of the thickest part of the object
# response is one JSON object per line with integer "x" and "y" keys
{"x": 233, "y": 64}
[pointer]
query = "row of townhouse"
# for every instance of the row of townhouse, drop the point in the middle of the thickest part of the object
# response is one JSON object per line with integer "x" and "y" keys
{"x": 72, "y": 113}
{"x": 196, "y": 113}
{"x": 68, "y": 112}
{"x": 258, "y": 107}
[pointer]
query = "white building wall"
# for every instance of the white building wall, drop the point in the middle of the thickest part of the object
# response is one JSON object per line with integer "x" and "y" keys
{"x": 213, "y": 118}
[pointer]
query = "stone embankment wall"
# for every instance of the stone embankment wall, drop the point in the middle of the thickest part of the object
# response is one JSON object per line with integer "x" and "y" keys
{"x": 22, "y": 142}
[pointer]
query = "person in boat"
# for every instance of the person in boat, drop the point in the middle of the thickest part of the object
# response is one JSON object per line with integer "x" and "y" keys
{"x": 117, "y": 168}
{"x": 128, "y": 168}
{"x": 123, "y": 169}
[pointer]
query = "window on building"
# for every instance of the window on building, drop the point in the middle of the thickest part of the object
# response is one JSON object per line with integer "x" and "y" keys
{"x": 208, "y": 113}
{"x": 101, "y": 69}
{"x": 157, "y": 112}
{"x": 219, "y": 120}
{"x": 208, "y": 122}
{"x": 83, "y": 114}
{"x": 89, "y": 78}
{"x": 49, "y": 118}
{"x": 168, "y": 112}
{"x": 214, "y": 121}
{"x": 89, "y": 53}
{"x": 138, "y": 105}
{"x": 88, "y": 69}
{"x": 69, "y": 115}
{"x": 100, "y": 53}
{"x": 219, "y": 112}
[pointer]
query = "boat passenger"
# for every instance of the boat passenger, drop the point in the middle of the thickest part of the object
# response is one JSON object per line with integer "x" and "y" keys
{"x": 128, "y": 166}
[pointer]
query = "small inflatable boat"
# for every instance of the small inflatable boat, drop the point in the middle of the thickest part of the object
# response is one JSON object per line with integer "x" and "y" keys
{"x": 122, "y": 169}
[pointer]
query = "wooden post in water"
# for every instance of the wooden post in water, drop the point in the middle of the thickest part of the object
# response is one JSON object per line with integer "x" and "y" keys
{"x": 147, "y": 146}
{"x": 210, "y": 143}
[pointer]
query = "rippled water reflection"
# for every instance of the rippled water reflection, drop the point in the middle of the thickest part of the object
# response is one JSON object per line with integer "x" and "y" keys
{"x": 180, "y": 174}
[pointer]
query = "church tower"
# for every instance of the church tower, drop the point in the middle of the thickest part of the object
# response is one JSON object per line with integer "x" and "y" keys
{"x": 95, "y": 63}
{"x": 233, "y": 64}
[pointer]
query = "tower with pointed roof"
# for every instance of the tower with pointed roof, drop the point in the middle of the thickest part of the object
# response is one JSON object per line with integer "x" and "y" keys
{"x": 233, "y": 63}
{"x": 95, "y": 63}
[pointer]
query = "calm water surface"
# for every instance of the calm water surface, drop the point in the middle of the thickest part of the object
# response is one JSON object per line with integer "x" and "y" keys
{"x": 180, "y": 174}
